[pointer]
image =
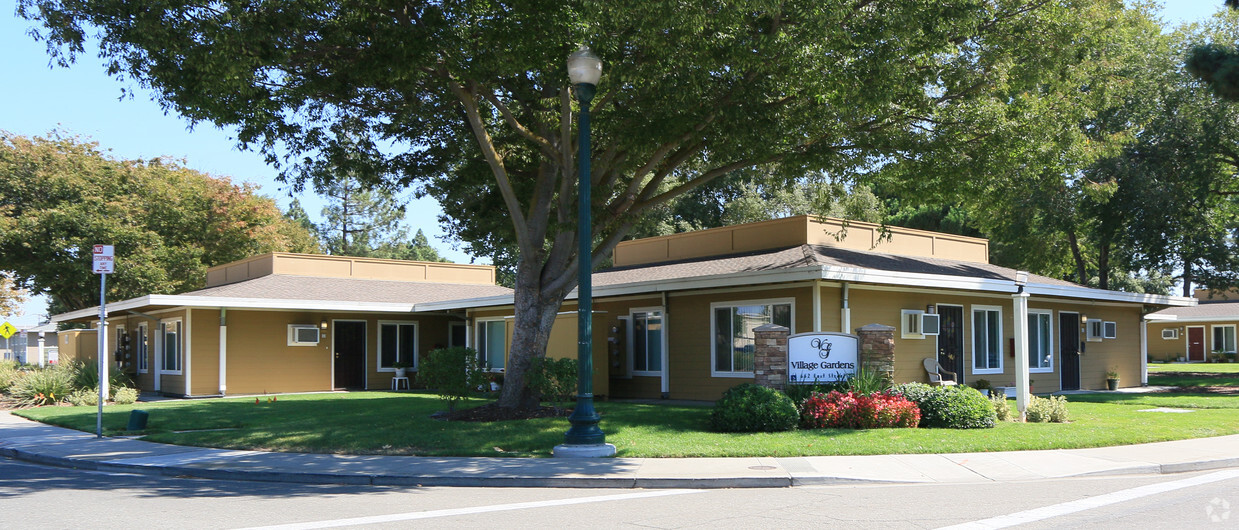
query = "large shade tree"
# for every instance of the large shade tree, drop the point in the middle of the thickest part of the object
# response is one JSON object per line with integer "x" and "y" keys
{"x": 470, "y": 101}
{"x": 61, "y": 195}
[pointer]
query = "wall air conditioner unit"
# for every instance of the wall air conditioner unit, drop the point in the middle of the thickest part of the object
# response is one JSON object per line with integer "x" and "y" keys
{"x": 303, "y": 335}
{"x": 929, "y": 324}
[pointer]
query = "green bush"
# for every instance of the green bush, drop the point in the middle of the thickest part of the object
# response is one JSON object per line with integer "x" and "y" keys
{"x": 753, "y": 408}
{"x": 453, "y": 373}
{"x": 43, "y": 387}
{"x": 86, "y": 375}
{"x": 553, "y": 379}
{"x": 9, "y": 374}
{"x": 954, "y": 406}
{"x": 125, "y": 396}
{"x": 1002, "y": 408}
{"x": 867, "y": 382}
{"x": 84, "y": 397}
{"x": 1052, "y": 409}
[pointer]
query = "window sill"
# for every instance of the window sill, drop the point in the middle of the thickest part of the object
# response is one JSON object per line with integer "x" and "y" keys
{"x": 167, "y": 372}
{"x": 646, "y": 373}
{"x": 1041, "y": 370}
{"x": 736, "y": 375}
{"x": 991, "y": 371}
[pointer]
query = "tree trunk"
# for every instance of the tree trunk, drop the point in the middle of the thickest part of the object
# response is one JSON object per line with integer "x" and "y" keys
{"x": 1103, "y": 266}
{"x": 1187, "y": 277}
{"x": 535, "y": 312}
{"x": 1081, "y": 270}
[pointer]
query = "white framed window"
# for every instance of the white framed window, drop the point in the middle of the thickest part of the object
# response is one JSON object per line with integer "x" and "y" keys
{"x": 397, "y": 343}
{"x": 1170, "y": 334}
{"x": 1224, "y": 338}
{"x": 303, "y": 335}
{"x": 986, "y": 339}
{"x": 645, "y": 341}
{"x": 170, "y": 346}
{"x": 1093, "y": 330}
{"x": 732, "y": 325}
{"x": 140, "y": 348}
{"x": 911, "y": 324}
{"x": 1040, "y": 340}
{"x": 457, "y": 335}
{"x": 1109, "y": 330}
{"x": 492, "y": 343}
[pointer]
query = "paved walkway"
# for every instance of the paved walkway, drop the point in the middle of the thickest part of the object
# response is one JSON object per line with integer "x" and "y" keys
{"x": 35, "y": 442}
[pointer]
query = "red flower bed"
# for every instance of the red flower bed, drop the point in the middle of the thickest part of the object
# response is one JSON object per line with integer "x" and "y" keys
{"x": 851, "y": 411}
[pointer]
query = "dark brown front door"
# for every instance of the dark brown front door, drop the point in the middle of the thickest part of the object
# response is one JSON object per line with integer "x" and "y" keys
{"x": 1069, "y": 348}
{"x": 1196, "y": 344}
{"x": 349, "y": 344}
{"x": 951, "y": 340}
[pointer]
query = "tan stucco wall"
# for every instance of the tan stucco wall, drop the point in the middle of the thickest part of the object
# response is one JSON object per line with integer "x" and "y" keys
{"x": 78, "y": 345}
{"x": 792, "y": 231}
{"x": 349, "y": 267}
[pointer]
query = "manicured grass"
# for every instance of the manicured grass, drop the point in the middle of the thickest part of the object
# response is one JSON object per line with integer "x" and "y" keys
{"x": 1212, "y": 368}
{"x": 1194, "y": 375}
{"x": 400, "y": 423}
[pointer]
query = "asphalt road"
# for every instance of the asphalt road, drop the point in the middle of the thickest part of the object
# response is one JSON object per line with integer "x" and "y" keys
{"x": 33, "y": 496}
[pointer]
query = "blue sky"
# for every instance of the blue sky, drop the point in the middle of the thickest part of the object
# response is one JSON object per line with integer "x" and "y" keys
{"x": 83, "y": 100}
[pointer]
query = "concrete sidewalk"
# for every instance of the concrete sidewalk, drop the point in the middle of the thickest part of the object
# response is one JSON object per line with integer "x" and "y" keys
{"x": 35, "y": 442}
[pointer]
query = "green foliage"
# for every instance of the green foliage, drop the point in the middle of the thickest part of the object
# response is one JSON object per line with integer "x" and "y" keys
{"x": 125, "y": 396}
{"x": 83, "y": 397}
{"x": 9, "y": 374}
{"x": 86, "y": 375}
{"x": 953, "y": 406}
{"x": 753, "y": 408}
{"x": 60, "y": 195}
{"x": 1048, "y": 409}
{"x": 1002, "y": 408}
{"x": 866, "y": 382}
{"x": 361, "y": 220}
{"x": 453, "y": 373}
{"x": 43, "y": 387}
{"x": 554, "y": 380}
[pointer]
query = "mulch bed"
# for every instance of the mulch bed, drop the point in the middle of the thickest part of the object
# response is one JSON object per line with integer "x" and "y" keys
{"x": 492, "y": 412}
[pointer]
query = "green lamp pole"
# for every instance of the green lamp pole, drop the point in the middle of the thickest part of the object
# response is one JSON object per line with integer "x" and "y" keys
{"x": 584, "y": 438}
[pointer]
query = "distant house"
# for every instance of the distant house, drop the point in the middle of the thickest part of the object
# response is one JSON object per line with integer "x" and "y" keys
{"x": 673, "y": 317}
{"x": 1193, "y": 333}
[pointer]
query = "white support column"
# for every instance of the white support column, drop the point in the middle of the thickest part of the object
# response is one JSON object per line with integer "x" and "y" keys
{"x": 817, "y": 305}
{"x": 187, "y": 353}
{"x": 1020, "y": 315}
{"x": 845, "y": 312}
{"x": 1144, "y": 352}
{"x": 41, "y": 354}
{"x": 223, "y": 351}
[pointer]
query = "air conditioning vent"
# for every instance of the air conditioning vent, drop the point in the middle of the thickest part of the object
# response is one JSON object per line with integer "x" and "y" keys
{"x": 302, "y": 335}
{"x": 929, "y": 324}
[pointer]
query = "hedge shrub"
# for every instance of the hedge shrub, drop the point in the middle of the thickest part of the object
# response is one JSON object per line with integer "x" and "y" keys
{"x": 453, "y": 373}
{"x": 850, "y": 410}
{"x": 554, "y": 380}
{"x": 43, "y": 387}
{"x": 1052, "y": 409}
{"x": 954, "y": 406}
{"x": 1002, "y": 407}
{"x": 753, "y": 408}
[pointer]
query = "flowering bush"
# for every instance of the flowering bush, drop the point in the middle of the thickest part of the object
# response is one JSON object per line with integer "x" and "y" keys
{"x": 858, "y": 411}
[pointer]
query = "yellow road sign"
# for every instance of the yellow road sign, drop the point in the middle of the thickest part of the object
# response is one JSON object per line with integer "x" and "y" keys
{"x": 7, "y": 330}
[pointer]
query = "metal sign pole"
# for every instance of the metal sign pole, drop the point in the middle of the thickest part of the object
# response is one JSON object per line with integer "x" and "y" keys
{"x": 103, "y": 365}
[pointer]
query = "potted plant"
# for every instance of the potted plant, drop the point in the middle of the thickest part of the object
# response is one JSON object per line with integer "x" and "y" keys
{"x": 401, "y": 367}
{"x": 1112, "y": 379}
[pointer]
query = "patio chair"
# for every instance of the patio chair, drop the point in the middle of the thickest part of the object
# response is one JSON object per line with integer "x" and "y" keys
{"x": 938, "y": 374}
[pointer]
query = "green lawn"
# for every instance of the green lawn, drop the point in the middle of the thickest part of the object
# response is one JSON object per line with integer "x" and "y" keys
{"x": 1212, "y": 368}
{"x": 400, "y": 423}
{"x": 1194, "y": 375}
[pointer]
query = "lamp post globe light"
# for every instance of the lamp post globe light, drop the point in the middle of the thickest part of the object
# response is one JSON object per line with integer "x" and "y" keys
{"x": 584, "y": 438}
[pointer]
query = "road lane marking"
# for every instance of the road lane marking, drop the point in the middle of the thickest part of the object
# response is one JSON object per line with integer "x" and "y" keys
{"x": 1058, "y": 510}
{"x": 411, "y": 516}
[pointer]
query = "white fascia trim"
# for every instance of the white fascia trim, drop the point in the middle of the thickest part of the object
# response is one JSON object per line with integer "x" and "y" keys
{"x": 1154, "y": 317}
{"x": 1196, "y": 319}
{"x": 213, "y": 302}
{"x": 467, "y": 303}
{"x": 1100, "y": 294}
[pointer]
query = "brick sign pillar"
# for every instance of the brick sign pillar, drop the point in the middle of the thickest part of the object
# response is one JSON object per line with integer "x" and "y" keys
{"x": 877, "y": 350}
{"x": 770, "y": 356}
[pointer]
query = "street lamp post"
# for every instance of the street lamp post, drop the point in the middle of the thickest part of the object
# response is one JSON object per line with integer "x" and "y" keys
{"x": 584, "y": 438}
